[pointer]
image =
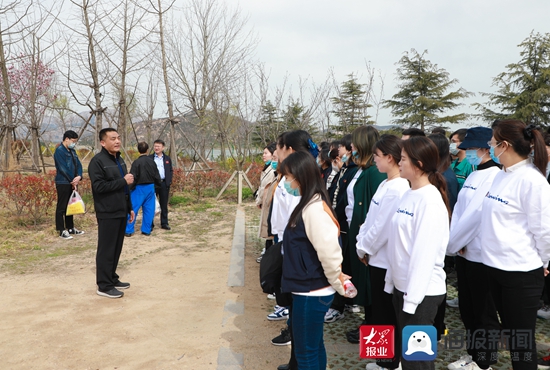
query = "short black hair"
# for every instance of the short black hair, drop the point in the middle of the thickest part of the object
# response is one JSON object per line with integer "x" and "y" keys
{"x": 104, "y": 131}
{"x": 159, "y": 141}
{"x": 461, "y": 133}
{"x": 413, "y": 131}
{"x": 439, "y": 130}
{"x": 70, "y": 134}
{"x": 142, "y": 147}
{"x": 271, "y": 147}
{"x": 346, "y": 142}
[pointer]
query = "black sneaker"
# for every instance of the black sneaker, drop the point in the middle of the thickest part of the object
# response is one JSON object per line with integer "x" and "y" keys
{"x": 353, "y": 336}
{"x": 166, "y": 227}
{"x": 75, "y": 231}
{"x": 121, "y": 285}
{"x": 113, "y": 293}
{"x": 283, "y": 339}
{"x": 65, "y": 235}
{"x": 544, "y": 363}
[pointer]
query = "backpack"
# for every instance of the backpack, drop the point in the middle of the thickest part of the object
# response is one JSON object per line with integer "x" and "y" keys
{"x": 271, "y": 269}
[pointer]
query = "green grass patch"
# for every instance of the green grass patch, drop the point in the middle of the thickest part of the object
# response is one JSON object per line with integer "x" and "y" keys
{"x": 177, "y": 200}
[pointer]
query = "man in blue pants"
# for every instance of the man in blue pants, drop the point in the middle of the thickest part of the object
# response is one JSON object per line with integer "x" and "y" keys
{"x": 146, "y": 177}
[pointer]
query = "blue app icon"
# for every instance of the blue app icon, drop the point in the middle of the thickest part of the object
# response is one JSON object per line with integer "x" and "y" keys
{"x": 419, "y": 343}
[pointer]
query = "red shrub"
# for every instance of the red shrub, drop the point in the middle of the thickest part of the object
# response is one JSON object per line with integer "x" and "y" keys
{"x": 29, "y": 196}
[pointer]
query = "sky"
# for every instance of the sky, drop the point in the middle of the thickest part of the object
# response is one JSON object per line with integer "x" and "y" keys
{"x": 473, "y": 40}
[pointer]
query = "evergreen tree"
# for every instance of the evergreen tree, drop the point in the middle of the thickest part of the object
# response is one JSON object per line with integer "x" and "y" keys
{"x": 350, "y": 107}
{"x": 296, "y": 117}
{"x": 269, "y": 126}
{"x": 524, "y": 89}
{"x": 423, "y": 99}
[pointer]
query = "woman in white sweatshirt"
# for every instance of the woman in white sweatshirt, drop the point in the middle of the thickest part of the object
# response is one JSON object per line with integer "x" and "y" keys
{"x": 418, "y": 241}
{"x": 477, "y": 309}
{"x": 515, "y": 240}
{"x": 372, "y": 240}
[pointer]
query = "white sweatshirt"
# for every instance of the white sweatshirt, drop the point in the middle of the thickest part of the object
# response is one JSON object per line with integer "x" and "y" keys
{"x": 417, "y": 245}
{"x": 515, "y": 220}
{"x": 466, "y": 220}
{"x": 373, "y": 235}
{"x": 283, "y": 206}
{"x": 351, "y": 196}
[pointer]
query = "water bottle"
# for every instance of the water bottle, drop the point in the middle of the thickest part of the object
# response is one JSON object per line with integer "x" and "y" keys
{"x": 351, "y": 290}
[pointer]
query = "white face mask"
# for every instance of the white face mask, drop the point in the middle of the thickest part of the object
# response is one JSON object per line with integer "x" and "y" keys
{"x": 453, "y": 149}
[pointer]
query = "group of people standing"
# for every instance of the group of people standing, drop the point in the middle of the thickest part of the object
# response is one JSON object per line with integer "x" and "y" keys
{"x": 118, "y": 195}
{"x": 393, "y": 214}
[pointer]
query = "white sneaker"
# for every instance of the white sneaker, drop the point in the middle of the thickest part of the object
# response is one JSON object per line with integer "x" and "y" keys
{"x": 65, "y": 235}
{"x": 453, "y": 302}
{"x": 544, "y": 312}
{"x": 373, "y": 366}
{"x": 353, "y": 308}
{"x": 271, "y": 296}
{"x": 333, "y": 315}
{"x": 473, "y": 366}
{"x": 461, "y": 363}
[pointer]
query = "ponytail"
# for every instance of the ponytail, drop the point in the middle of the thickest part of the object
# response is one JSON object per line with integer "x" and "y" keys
{"x": 437, "y": 180}
{"x": 524, "y": 139}
{"x": 540, "y": 159}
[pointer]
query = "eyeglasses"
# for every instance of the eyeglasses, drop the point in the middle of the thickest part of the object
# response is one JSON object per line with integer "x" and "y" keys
{"x": 490, "y": 143}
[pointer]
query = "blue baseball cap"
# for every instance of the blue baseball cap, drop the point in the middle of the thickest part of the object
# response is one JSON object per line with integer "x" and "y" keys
{"x": 477, "y": 137}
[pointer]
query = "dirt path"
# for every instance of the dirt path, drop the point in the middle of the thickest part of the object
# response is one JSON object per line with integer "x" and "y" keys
{"x": 170, "y": 318}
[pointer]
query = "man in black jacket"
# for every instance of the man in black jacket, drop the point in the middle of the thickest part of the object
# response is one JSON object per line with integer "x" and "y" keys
{"x": 164, "y": 165}
{"x": 110, "y": 188}
{"x": 146, "y": 177}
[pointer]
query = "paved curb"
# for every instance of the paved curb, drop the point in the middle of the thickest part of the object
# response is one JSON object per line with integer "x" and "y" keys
{"x": 227, "y": 359}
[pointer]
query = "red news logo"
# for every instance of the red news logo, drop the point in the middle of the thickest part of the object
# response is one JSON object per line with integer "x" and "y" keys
{"x": 376, "y": 341}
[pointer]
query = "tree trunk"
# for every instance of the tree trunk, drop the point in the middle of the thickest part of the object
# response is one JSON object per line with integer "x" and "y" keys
{"x": 98, "y": 110}
{"x": 173, "y": 150}
{"x": 9, "y": 160}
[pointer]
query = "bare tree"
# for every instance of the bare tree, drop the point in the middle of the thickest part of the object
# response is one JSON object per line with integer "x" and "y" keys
{"x": 159, "y": 11}
{"x": 122, "y": 23}
{"x": 210, "y": 50}
{"x": 86, "y": 73}
{"x": 12, "y": 30}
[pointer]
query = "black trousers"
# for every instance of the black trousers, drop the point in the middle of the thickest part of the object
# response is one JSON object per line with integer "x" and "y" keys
{"x": 163, "y": 191}
{"x": 516, "y": 295}
{"x": 477, "y": 309}
{"x": 424, "y": 315}
{"x": 383, "y": 313}
{"x": 62, "y": 221}
{"x": 109, "y": 246}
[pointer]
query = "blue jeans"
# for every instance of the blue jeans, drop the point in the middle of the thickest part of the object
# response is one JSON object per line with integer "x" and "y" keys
{"x": 308, "y": 318}
{"x": 143, "y": 196}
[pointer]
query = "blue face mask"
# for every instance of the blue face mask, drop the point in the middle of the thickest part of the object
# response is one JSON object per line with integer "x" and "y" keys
{"x": 267, "y": 163}
{"x": 472, "y": 158}
{"x": 344, "y": 158}
{"x": 274, "y": 165}
{"x": 290, "y": 190}
{"x": 72, "y": 145}
{"x": 354, "y": 153}
{"x": 493, "y": 156}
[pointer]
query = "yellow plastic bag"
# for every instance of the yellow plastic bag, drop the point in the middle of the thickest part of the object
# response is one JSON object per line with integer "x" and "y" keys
{"x": 76, "y": 205}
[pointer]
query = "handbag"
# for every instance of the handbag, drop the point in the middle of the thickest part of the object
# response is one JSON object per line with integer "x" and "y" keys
{"x": 76, "y": 205}
{"x": 157, "y": 206}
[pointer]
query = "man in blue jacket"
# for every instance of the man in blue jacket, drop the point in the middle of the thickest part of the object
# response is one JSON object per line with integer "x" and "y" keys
{"x": 110, "y": 188}
{"x": 68, "y": 175}
{"x": 164, "y": 165}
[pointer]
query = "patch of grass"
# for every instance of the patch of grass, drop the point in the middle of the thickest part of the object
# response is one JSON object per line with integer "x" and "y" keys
{"x": 176, "y": 200}
{"x": 201, "y": 207}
